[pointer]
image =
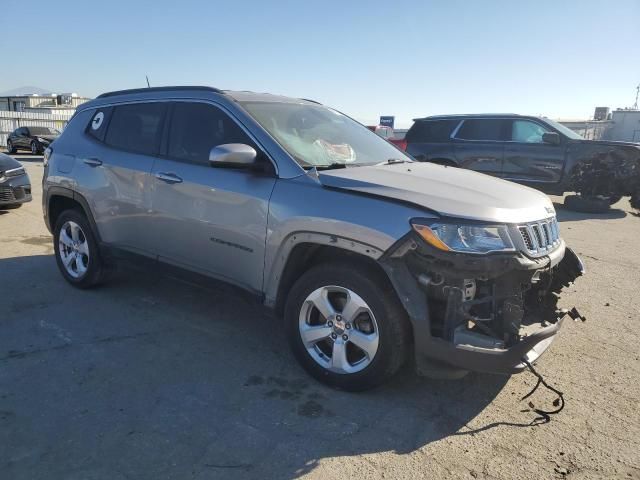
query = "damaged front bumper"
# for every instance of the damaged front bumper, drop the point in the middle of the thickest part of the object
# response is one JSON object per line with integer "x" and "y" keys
{"x": 484, "y": 313}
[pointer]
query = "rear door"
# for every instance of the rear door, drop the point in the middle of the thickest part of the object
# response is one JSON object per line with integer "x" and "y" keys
{"x": 429, "y": 140}
{"x": 114, "y": 172}
{"x": 527, "y": 158}
{"x": 210, "y": 219}
{"x": 479, "y": 145}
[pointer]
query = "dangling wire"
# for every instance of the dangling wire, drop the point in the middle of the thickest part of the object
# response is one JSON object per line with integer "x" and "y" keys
{"x": 558, "y": 402}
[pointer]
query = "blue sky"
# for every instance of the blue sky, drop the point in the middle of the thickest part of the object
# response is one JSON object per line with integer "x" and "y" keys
{"x": 366, "y": 58}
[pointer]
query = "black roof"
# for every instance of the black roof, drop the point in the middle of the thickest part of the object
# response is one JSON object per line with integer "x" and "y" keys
{"x": 159, "y": 89}
{"x": 462, "y": 116}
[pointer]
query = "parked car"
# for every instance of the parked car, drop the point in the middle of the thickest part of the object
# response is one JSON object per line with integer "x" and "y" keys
{"x": 15, "y": 186}
{"x": 34, "y": 139}
{"x": 533, "y": 151}
{"x": 370, "y": 257}
{"x": 388, "y": 134}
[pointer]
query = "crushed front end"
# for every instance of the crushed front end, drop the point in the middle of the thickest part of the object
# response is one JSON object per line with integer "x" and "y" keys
{"x": 485, "y": 310}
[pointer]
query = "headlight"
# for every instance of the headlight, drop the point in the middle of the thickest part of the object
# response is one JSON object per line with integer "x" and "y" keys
{"x": 14, "y": 172}
{"x": 42, "y": 140}
{"x": 465, "y": 238}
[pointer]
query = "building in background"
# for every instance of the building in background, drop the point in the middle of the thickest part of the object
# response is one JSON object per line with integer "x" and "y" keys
{"x": 625, "y": 126}
{"x": 52, "y": 103}
{"x": 18, "y": 109}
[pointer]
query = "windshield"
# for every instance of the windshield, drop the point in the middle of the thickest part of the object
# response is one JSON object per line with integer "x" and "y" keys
{"x": 318, "y": 136}
{"x": 564, "y": 130}
{"x": 43, "y": 131}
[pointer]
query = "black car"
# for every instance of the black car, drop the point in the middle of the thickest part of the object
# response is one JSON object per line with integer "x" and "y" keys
{"x": 534, "y": 151}
{"x": 15, "y": 186}
{"x": 34, "y": 139}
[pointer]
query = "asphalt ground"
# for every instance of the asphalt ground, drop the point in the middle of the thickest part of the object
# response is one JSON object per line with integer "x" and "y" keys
{"x": 150, "y": 378}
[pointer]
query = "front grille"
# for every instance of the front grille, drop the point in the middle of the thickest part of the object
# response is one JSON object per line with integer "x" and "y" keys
{"x": 6, "y": 194}
{"x": 540, "y": 237}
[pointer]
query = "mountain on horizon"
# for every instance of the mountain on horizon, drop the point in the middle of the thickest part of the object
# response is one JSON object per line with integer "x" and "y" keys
{"x": 25, "y": 91}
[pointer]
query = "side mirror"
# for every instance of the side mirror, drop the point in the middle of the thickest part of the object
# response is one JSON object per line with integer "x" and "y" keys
{"x": 232, "y": 154}
{"x": 551, "y": 138}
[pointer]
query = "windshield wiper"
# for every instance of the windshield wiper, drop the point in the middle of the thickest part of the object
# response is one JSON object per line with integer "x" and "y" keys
{"x": 392, "y": 161}
{"x": 331, "y": 166}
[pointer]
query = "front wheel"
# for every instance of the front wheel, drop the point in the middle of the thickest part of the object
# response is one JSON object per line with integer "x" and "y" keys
{"x": 346, "y": 326}
{"x": 34, "y": 148}
{"x": 76, "y": 250}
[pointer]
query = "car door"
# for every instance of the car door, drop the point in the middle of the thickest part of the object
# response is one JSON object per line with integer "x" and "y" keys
{"x": 114, "y": 171}
{"x": 210, "y": 219}
{"x": 430, "y": 140}
{"x": 527, "y": 158}
{"x": 22, "y": 139}
{"x": 479, "y": 145}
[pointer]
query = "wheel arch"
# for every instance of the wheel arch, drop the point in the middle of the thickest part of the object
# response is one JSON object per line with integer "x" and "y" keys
{"x": 307, "y": 250}
{"x": 60, "y": 199}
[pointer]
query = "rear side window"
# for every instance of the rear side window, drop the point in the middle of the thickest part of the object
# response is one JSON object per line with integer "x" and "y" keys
{"x": 197, "y": 127}
{"x": 431, "y": 131}
{"x": 97, "y": 127}
{"x": 136, "y": 127}
{"x": 482, "y": 129}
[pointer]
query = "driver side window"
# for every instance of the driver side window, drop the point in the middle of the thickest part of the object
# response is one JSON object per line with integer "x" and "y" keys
{"x": 525, "y": 131}
{"x": 196, "y": 128}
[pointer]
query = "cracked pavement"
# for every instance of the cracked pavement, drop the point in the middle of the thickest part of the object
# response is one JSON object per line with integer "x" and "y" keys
{"x": 150, "y": 377}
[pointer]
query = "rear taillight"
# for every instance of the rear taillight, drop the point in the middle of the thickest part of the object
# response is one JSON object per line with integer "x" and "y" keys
{"x": 402, "y": 145}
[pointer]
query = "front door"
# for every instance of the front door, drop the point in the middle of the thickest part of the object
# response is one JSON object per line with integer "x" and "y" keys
{"x": 527, "y": 158}
{"x": 210, "y": 219}
{"x": 479, "y": 145}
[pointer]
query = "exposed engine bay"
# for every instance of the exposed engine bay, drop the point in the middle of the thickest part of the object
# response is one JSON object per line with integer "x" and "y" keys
{"x": 491, "y": 303}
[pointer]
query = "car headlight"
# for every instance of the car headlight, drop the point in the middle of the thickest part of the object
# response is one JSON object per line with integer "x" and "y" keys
{"x": 465, "y": 238}
{"x": 14, "y": 172}
{"x": 42, "y": 140}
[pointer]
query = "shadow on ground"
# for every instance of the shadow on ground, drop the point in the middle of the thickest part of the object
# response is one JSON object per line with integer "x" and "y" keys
{"x": 566, "y": 215}
{"x": 149, "y": 377}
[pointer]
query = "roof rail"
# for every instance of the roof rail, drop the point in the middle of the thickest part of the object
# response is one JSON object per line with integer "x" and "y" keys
{"x": 158, "y": 89}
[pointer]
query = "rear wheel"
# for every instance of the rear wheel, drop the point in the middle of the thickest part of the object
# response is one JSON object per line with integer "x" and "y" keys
{"x": 10, "y": 147}
{"x": 581, "y": 203}
{"x": 76, "y": 250}
{"x": 346, "y": 326}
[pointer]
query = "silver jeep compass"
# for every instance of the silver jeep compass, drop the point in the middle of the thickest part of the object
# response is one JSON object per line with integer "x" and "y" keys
{"x": 369, "y": 257}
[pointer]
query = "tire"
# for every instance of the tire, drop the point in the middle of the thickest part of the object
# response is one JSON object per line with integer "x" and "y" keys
{"x": 10, "y": 147}
{"x": 385, "y": 321}
{"x": 91, "y": 270}
{"x": 578, "y": 203}
{"x": 34, "y": 148}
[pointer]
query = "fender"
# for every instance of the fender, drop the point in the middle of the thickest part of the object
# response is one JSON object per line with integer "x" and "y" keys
{"x": 272, "y": 279}
{"x": 56, "y": 191}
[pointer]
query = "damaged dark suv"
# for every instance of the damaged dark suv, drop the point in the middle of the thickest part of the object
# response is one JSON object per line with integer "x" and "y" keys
{"x": 534, "y": 151}
{"x": 372, "y": 259}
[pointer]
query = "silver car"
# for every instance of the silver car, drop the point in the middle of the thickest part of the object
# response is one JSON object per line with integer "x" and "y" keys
{"x": 371, "y": 259}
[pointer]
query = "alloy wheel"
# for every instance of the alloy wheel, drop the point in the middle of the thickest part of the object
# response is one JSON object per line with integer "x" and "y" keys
{"x": 338, "y": 329}
{"x": 73, "y": 249}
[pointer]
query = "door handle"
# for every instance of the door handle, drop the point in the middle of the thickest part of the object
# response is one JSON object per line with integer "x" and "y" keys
{"x": 93, "y": 162}
{"x": 168, "y": 177}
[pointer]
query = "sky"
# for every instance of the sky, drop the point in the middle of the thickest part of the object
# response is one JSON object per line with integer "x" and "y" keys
{"x": 366, "y": 58}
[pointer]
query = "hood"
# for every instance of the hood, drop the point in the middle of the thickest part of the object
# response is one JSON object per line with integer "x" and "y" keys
{"x": 449, "y": 191}
{"x": 7, "y": 162}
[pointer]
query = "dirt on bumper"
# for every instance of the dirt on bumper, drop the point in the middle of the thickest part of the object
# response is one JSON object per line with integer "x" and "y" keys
{"x": 483, "y": 313}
